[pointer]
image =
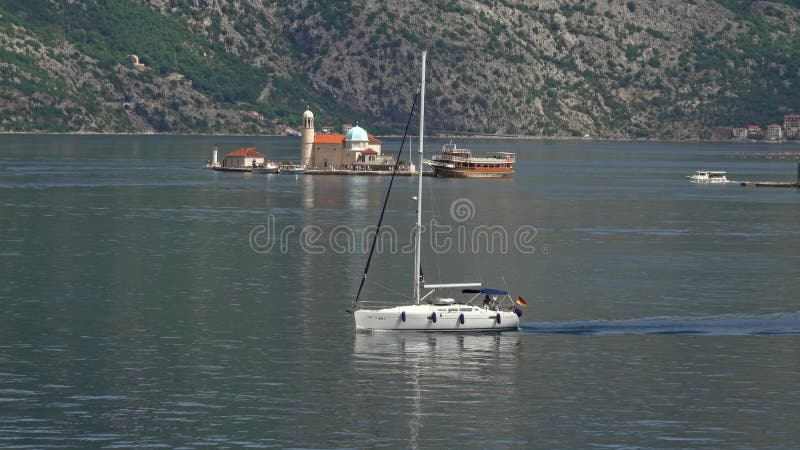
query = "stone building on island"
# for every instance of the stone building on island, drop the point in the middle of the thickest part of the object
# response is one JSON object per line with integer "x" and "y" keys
{"x": 243, "y": 158}
{"x": 355, "y": 149}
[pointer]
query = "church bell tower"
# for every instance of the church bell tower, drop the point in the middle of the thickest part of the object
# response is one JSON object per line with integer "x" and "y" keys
{"x": 307, "y": 138}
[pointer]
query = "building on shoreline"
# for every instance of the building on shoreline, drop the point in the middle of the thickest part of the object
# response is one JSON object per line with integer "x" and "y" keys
{"x": 774, "y": 132}
{"x": 355, "y": 149}
{"x": 755, "y": 132}
{"x": 791, "y": 125}
{"x": 739, "y": 133}
{"x": 243, "y": 158}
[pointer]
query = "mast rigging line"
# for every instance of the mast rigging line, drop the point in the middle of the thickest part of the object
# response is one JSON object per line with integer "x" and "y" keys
{"x": 354, "y": 305}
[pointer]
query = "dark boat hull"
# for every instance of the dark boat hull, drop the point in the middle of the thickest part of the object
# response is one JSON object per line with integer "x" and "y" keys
{"x": 232, "y": 169}
{"x": 446, "y": 172}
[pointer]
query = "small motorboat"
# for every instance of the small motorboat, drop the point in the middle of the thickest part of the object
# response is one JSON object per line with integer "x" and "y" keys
{"x": 292, "y": 169}
{"x": 709, "y": 176}
{"x": 267, "y": 167}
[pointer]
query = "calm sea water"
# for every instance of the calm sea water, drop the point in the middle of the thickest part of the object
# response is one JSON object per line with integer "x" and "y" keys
{"x": 143, "y": 303}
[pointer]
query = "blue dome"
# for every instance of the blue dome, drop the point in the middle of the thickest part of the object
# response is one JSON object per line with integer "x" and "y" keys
{"x": 357, "y": 134}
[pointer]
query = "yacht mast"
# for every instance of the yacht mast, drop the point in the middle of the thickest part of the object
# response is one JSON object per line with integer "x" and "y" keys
{"x": 418, "y": 236}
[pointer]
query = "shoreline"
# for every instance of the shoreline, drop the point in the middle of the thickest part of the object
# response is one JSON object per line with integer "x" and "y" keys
{"x": 468, "y": 137}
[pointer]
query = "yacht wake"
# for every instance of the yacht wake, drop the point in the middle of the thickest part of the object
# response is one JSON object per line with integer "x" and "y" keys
{"x": 722, "y": 325}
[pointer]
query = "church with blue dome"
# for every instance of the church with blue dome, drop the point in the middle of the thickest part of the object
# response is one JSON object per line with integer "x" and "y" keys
{"x": 355, "y": 149}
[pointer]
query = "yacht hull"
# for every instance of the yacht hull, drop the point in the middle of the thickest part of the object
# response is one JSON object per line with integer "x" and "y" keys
{"x": 448, "y": 318}
{"x": 446, "y": 172}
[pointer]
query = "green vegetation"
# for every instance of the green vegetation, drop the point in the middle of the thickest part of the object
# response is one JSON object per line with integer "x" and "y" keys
{"x": 110, "y": 30}
{"x": 758, "y": 72}
{"x": 507, "y": 65}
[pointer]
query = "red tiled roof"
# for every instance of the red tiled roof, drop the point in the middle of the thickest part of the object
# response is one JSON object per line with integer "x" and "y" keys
{"x": 373, "y": 139}
{"x": 369, "y": 151}
{"x": 329, "y": 139}
{"x": 247, "y": 152}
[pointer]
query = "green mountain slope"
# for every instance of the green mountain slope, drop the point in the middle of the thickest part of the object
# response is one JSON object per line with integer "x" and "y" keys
{"x": 638, "y": 68}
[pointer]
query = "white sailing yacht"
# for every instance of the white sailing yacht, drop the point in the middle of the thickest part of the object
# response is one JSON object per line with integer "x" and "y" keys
{"x": 483, "y": 310}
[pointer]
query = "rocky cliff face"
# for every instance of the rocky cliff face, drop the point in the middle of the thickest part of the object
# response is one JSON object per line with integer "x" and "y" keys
{"x": 638, "y": 68}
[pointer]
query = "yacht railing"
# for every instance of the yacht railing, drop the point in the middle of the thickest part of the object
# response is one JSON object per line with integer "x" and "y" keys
{"x": 472, "y": 159}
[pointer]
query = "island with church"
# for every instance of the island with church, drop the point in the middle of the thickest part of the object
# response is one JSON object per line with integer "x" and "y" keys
{"x": 355, "y": 152}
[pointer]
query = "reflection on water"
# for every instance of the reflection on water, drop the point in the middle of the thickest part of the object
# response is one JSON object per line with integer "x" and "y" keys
{"x": 308, "y": 192}
{"x": 431, "y": 374}
{"x": 456, "y": 355}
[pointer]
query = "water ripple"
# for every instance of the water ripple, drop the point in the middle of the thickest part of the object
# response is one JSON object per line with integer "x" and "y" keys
{"x": 731, "y": 324}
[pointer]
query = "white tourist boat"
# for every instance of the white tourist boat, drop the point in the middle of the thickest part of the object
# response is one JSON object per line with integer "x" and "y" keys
{"x": 457, "y": 162}
{"x": 709, "y": 176}
{"x": 482, "y": 310}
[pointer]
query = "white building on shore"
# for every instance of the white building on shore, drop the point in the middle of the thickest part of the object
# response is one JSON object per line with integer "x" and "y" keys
{"x": 243, "y": 158}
